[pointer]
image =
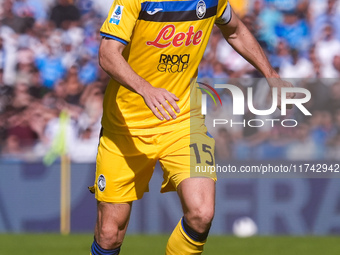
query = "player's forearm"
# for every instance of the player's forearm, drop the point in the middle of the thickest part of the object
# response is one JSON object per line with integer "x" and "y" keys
{"x": 241, "y": 39}
{"x": 114, "y": 64}
{"x": 247, "y": 46}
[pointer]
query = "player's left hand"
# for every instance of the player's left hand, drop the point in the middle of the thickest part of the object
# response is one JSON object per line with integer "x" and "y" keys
{"x": 279, "y": 84}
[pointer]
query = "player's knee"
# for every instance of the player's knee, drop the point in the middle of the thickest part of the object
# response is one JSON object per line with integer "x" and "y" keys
{"x": 200, "y": 218}
{"x": 108, "y": 237}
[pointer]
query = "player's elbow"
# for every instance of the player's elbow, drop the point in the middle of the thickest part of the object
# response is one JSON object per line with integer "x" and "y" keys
{"x": 109, "y": 56}
{"x": 106, "y": 61}
{"x": 102, "y": 59}
{"x": 101, "y": 62}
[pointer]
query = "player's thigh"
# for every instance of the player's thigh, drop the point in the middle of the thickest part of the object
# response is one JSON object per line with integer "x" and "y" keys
{"x": 124, "y": 168}
{"x": 185, "y": 156}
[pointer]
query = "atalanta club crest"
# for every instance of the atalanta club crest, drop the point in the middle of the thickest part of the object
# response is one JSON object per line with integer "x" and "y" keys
{"x": 101, "y": 182}
{"x": 201, "y": 9}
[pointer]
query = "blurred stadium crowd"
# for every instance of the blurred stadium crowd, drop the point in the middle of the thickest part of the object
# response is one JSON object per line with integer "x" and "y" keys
{"x": 48, "y": 63}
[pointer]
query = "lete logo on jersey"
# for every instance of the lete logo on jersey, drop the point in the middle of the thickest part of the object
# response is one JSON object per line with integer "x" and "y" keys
{"x": 167, "y": 36}
{"x": 117, "y": 15}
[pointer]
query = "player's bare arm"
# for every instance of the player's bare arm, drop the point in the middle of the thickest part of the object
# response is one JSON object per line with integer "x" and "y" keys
{"x": 241, "y": 39}
{"x": 160, "y": 101}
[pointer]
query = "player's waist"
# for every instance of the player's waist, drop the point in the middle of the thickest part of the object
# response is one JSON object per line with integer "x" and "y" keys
{"x": 187, "y": 121}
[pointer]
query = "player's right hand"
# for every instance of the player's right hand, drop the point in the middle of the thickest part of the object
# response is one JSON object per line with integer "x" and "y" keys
{"x": 161, "y": 102}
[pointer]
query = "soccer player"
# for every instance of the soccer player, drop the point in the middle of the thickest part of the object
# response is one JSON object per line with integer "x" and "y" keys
{"x": 151, "y": 50}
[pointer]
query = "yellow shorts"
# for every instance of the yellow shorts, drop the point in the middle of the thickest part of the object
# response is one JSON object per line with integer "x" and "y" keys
{"x": 125, "y": 163}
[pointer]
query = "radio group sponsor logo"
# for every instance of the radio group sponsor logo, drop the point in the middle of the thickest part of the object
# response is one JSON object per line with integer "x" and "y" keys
{"x": 168, "y": 36}
{"x": 173, "y": 63}
{"x": 201, "y": 9}
{"x": 117, "y": 15}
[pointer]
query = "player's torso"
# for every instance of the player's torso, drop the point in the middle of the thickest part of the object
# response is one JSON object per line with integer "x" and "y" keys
{"x": 171, "y": 37}
{"x": 166, "y": 46}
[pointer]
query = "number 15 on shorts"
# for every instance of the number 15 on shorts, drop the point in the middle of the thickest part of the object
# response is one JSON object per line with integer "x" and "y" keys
{"x": 203, "y": 154}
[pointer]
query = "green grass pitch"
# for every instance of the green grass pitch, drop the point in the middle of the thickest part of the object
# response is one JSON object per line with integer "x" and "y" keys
{"x": 54, "y": 244}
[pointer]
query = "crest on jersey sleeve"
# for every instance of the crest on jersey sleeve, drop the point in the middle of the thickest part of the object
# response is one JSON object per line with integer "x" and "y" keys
{"x": 201, "y": 9}
{"x": 117, "y": 15}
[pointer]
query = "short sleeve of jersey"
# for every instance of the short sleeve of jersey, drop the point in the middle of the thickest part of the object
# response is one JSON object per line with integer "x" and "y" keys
{"x": 223, "y": 15}
{"x": 121, "y": 20}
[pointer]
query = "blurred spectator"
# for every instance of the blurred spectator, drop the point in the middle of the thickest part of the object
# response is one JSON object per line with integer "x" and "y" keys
{"x": 64, "y": 14}
{"x": 50, "y": 67}
{"x": 320, "y": 95}
{"x": 326, "y": 50}
{"x": 223, "y": 145}
{"x": 268, "y": 18}
{"x": 298, "y": 67}
{"x": 6, "y": 94}
{"x": 315, "y": 61}
{"x": 337, "y": 121}
{"x": 214, "y": 46}
{"x": 85, "y": 6}
{"x": 21, "y": 97}
{"x": 25, "y": 65}
{"x": 334, "y": 150}
{"x": 329, "y": 17}
{"x": 70, "y": 56}
{"x": 303, "y": 147}
{"x": 275, "y": 147}
{"x": 10, "y": 19}
{"x": 252, "y": 138}
{"x": 334, "y": 98}
{"x": 85, "y": 148}
{"x": 302, "y": 9}
{"x": 36, "y": 89}
{"x": 2, "y": 56}
{"x": 236, "y": 65}
{"x": 336, "y": 63}
{"x": 286, "y": 5}
{"x": 281, "y": 54}
{"x": 73, "y": 87}
{"x": 249, "y": 21}
{"x": 19, "y": 127}
{"x": 325, "y": 129}
{"x": 205, "y": 69}
{"x": 88, "y": 69}
{"x": 219, "y": 72}
{"x": 323, "y": 132}
{"x": 294, "y": 30}
{"x": 12, "y": 148}
{"x": 30, "y": 8}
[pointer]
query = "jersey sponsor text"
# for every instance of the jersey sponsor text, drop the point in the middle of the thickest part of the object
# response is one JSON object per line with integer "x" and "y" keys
{"x": 173, "y": 63}
{"x": 169, "y": 36}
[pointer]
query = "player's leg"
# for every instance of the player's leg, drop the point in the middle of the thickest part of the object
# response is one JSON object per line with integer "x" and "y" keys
{"x": 198, "y": 201}
{"x": 111, "y": 225}
{"x": 124, "y": 168}
{"x": 182, "y": 152}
